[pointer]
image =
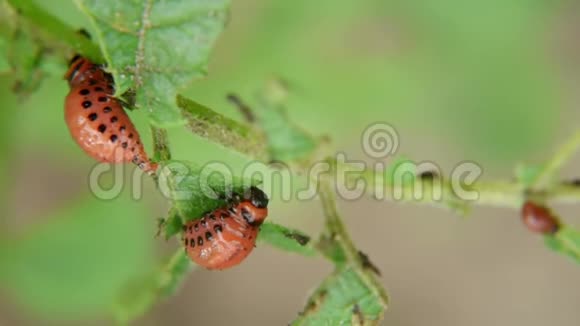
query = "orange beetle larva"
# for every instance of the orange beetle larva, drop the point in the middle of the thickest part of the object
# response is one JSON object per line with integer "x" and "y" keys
{"x": 97, "y": 121}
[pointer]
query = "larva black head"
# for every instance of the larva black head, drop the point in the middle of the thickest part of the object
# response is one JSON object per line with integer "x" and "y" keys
{"x": 257, "y": 197}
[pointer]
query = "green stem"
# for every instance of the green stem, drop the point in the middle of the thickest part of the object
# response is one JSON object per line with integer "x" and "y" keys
{"x": 489, "y": 193}
{"x": 340, "y": 238}
{"x": 563, "y": 155}
{"x": 53, "y": 31}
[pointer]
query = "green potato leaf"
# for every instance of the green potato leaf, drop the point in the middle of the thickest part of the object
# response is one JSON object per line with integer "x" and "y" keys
{"x": 156, "y": 47}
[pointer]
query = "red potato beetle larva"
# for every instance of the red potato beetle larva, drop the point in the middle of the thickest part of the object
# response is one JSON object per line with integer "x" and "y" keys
{"x": 539, "y": 219}
{"x": 97, "y": 121}
{"x": 224, "y": 237}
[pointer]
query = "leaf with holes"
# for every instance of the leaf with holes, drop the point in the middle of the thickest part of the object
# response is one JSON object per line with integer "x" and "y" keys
{"x": 343, "y": 298}
{"x": 156, "y": 47}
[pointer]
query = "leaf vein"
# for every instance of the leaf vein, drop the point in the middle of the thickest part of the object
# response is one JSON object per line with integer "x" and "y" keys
{"x": 140, "y": 53}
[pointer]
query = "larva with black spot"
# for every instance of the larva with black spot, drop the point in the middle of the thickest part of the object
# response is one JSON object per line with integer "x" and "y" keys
{"x": 96, "y": 119}
{"x": 225, "y": 237}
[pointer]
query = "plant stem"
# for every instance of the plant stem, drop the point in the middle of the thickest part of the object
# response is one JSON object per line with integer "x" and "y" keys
{"x": 339, "y": 237}
{"x": 563, "y": 155}
{"x": 440, "y": 192}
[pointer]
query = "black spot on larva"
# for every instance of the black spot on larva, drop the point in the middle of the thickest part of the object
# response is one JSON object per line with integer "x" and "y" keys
{"x": 196, "y": 227}
{"x": 247, "y": 216}
{"x": 203, "y": 223}
{"x": 93, "y": 116}
{"x": 138, "y": 142}
{"x": 208, "y": 236}
{"x": 124, "y": 144}
{"x": 84, "y": 91}
{"x": 200, "y": 241}
{"x": 226, "y": 215}
{"x": 107, "y": 109}
{"x": 87, "y": 104}
{"x": 130, "y": 135}
{"x": 132, "y": 149}
{"x": 93, "y": 82}
{"x": 99, "y": 89}
{"x": 217, "y": 228}
{"x": 114, "y": 138}
{"x": 192, "y": 243}
{"x": 122, "y": 128}
{"x": 211, "y": 217}
{"x": 102, "y": 99}
{"x": 114, "y": 119}
{"x": 102, "y": 128}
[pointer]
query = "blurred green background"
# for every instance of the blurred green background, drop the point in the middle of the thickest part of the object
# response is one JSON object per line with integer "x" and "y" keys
{"x": 491, "y": 81}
